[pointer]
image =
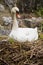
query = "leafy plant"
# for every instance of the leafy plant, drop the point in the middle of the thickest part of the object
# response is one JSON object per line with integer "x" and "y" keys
{"x": 40, "y": 12}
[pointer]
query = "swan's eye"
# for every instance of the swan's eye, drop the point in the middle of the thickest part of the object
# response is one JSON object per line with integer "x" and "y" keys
{"x": 17, "y": 12}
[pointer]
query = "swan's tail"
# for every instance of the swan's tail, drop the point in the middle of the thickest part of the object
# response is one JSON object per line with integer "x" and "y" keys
{"x": 36, "y": 29}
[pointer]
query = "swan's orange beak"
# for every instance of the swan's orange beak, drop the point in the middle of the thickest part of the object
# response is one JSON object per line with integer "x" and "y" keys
{"x": 18, "y": 15}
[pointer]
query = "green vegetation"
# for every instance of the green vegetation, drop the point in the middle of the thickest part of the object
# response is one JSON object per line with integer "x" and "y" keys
{"x": 11, "y": 40}
{"x": 41, "y": 36}
{"x": 42, "y": 26}
{"x": 39, "y": 12}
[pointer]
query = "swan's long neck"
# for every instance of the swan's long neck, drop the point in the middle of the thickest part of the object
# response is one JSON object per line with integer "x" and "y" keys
{"x": 15, "y": 23}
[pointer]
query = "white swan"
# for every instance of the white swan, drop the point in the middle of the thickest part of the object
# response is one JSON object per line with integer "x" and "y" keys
{"x": 22, "y": 34}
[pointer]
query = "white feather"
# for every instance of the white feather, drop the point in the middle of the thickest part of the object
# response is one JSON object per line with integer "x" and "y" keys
{"x": 23, "y": 34}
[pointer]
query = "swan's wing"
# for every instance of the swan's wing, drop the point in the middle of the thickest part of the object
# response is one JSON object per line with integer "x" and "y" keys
{"x": 24, "y": 34}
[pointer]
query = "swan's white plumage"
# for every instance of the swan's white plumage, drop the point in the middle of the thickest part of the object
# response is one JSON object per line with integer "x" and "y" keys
{"x": 22, "y": 34}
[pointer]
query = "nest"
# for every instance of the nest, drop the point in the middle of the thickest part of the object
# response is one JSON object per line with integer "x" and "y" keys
{"x": 21, "y": 54}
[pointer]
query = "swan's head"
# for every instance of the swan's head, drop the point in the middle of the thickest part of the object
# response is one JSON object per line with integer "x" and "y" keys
{"x": 15, "y": 9}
